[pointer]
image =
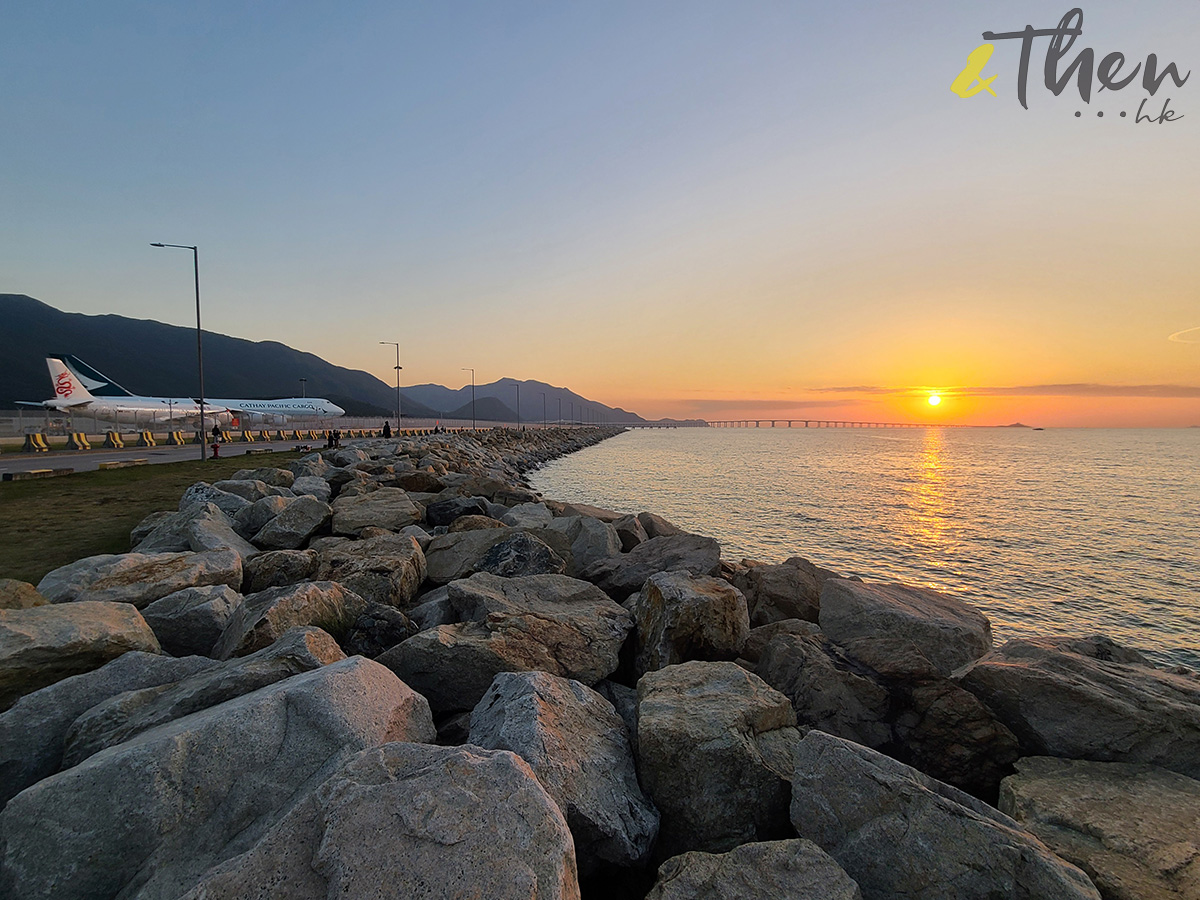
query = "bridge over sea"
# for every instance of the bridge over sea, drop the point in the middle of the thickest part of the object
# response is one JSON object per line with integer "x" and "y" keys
{"x": 823, "y": 423}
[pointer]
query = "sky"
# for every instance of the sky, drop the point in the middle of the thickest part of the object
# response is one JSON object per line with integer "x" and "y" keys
{"x": 724, "y": 210}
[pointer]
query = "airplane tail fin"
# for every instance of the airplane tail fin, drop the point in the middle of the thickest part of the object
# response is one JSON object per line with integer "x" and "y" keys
{"x": 88, "y": 378}
{"x": 68, "y": 391}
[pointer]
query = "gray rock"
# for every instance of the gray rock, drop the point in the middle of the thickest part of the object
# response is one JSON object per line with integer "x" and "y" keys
{"x": 215, "y": 534}
{"x": 250, "y": 520}
{"x": 203, "y": 492}
{"x": 630, "y": 532}
{"x": 949, "y": 632}
{"x": 624, "y": 701}
{"x": 450, "y": 557}
{"x": 45, "y": 644}
{"x": 762, "y": 635}
{"x": 190, "y": 621}
{"x": 1134, "y": 829}
{"x": 411, "y": 820}
{"x": 140, "y": 578}
{"x": 387, "y": 569}
{"x": 377, "y": 630}
{"x": 444, "y": 512}
{"x": 313, "y": 465}
{"x": 548, "y": 623}
{"x": 520, "y": 554}
{"x": 122, "y": 716}
{"x": 277, "y": 568}
{"x": 529, "y": 515}
{"x": 161, "y": 809}
{"x": 387, "y": 508}
{"x": 251, "y": 490}
{"x": 657, "y": 526}
{"x": 593, "y": 512}
{"x": 795, "y": 869}
{"x": 473, "y": 523}
{"x": 291, "y": 529}
{"x": 620, "y": 576}
{"x": 788, "y": 591}
{"x": 172, "y": 532}
{"x": 679, "y": 616}
{"x": 19, "y": 595}
{"x": 1059, "y": 702}
{"x": 715, "y": 755}
{"x": 591, "y": 539}
{"x": 312, "y": 486}
{"x": 434, "y": 609}
{"x": 577, "y": 746}
{"x": 148, "y": 524}
{"x": 269, "y": 475}
{"x": 33, "y": 732}
{"x": 419, "y": 534}
{"x": 900, "y": 833}
{"x": 825, "y": 690}
{"x": 264, "y": 617}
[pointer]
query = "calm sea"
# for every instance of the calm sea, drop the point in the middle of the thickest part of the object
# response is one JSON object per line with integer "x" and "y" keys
{"x": 1076, "y": 531}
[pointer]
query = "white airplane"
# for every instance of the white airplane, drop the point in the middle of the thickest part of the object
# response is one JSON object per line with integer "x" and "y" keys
{"x": 80, "y": 388}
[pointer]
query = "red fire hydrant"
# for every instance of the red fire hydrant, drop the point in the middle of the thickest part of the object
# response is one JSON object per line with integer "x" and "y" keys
{"x": 216, "y": 449}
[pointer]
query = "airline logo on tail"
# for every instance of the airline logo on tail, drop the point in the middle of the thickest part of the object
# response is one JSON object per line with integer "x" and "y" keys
{"x": 66, "y": 385}
{"x": 63, "y": 386}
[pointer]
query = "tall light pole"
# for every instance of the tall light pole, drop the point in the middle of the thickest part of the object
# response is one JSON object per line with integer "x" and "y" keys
{"x": 199, "y": 341}
{"x": 518, "y": 406}
{"x": 396, "y": 344}
{"x": 560, "y": 412}
{"x": 472, "y": 371}
{"x": 543, "y": 409}
{"x": 303, "y": 388}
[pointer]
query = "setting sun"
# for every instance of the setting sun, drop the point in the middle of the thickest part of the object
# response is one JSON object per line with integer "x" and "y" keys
{"x": 934, "y": 399}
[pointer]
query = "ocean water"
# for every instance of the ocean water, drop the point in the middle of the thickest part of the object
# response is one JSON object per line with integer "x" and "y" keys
{"x": 1063, "y": 531}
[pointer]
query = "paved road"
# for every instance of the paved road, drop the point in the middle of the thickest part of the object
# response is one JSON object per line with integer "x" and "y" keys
{"x": 89, "y": 460}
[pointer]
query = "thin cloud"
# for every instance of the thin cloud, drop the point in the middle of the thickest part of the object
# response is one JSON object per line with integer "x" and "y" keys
{"x": 1187, "y": 336}
{"x": 1171, "y": 391}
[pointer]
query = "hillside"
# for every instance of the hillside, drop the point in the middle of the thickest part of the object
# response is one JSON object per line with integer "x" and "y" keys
{"x": 156, "y": 359}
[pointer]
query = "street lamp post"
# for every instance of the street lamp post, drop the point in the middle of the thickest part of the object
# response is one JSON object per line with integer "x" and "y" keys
{"x": 543, "y": 409}
{"x": 472, "y": 371}
{"x": 518, "y": 406}
{"x": 199, "y": 341}
{"x": 303, "y": 388}
{"x": 398, "y": 368}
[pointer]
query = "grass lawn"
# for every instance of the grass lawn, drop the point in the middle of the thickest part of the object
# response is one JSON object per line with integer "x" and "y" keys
{"x": 50, "y": 522}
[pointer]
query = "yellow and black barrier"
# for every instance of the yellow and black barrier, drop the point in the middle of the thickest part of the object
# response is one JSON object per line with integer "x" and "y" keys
{"x": 146, "y": 439}
{"x": 78, "y": 441}
{"x": 112, "y": 439}
{"x": 35, "y": 443}
{"x": 247, "y": 437}
{"x": 175, "y": 438}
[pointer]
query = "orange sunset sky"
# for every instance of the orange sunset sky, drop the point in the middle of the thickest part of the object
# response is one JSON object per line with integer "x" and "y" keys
{"x": 760, "y": 210}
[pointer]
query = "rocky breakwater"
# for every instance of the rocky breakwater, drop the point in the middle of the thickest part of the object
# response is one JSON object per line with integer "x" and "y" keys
{"x": 393, "y": 670}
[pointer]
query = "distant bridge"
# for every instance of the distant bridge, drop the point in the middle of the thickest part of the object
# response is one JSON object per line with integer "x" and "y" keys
{"x": 824, "y": 423}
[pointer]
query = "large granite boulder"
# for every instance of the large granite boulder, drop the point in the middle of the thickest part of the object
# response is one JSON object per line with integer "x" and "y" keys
{"x": 444, "y": 512}
{"x": 268, "y": 474}
{"x": 899, "y": 833}
{"x": 388, "y": 508}
{"x": 140, "y": 578}
{"x": 277, "y": 568}
{"x": 34, "y": 731}
{"x": 630, "y": 532}
{"x": 622, "y": 575}
{"x": 528, "y": 515}
{"x": 591, "y": 539}
{"x": 203, "y": 492}
{"x": 292, "y": 528}
{"x": 312, "y": 486}
{"x": 1060, "y": 702}
{"x": 450, "y": 557}
{"x": 119, "y": 718}
{"x": 788, "y": 591}
{"x": 386, "y": 569}
{"x": 191, "y": 621}
{"x": 826, "y": 689}
{"x": 715, "y": 755}
{"x": 579, "y": 750}
{"x": 19, "y": 595}
{"x": 1133, "y": 828}
{"x": 548, "y": 623}
{"x": 45, "y": 644}
{"x": 679, "y": 616}
{"x": 520, "y": 554}
{"x": 377, "y": 629}
{"x": 200, "y": 526}
{"x": 161, "y": 809}
{"x": 218, "y": 534}
{"x": 264, "y": 617}
{"x": 250, "y": 521}
{"x": 793, "y": 869}
{"x": 250, "y": 489}
{"x": 411, "y": 820}
{"x": 949, "y": 632}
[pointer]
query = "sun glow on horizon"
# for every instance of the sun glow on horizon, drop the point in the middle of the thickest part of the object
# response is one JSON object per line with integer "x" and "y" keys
{"x": 934, "y": 399}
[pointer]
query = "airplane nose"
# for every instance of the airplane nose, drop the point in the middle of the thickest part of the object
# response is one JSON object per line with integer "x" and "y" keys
{"x": 336, "y": 410}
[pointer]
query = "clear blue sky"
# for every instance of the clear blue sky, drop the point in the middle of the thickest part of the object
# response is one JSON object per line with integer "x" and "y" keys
{"x": 673, "y": 207}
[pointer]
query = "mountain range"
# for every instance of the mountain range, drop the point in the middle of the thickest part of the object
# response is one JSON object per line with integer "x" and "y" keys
{"x": 156, "y": 359}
